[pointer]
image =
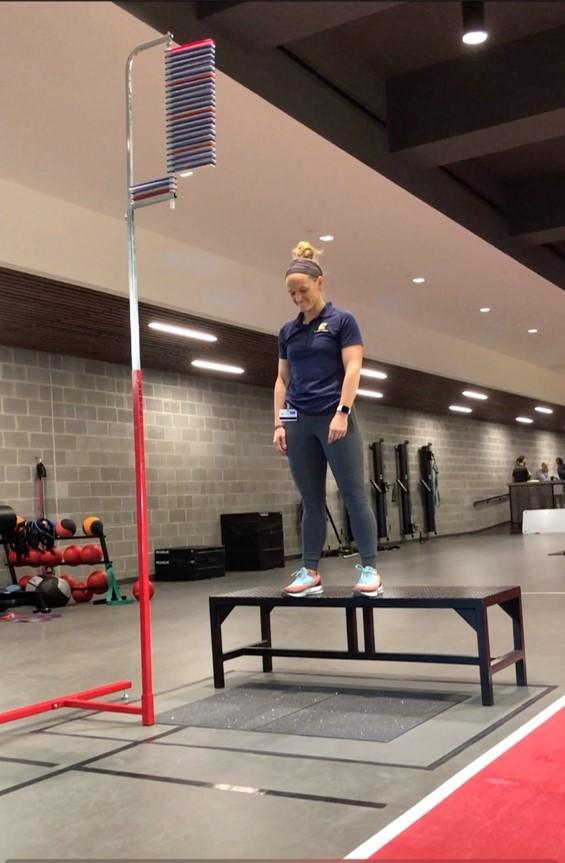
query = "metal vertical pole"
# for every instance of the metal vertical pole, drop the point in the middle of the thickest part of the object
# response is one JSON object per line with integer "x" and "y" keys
{"x": 147, "y": 695}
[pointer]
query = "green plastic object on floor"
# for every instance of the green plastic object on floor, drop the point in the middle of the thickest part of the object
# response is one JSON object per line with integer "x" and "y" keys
{"x": 113, "y": 595}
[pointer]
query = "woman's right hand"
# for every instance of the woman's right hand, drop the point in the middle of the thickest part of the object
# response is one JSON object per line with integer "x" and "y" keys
{"x": 279, "y": 440}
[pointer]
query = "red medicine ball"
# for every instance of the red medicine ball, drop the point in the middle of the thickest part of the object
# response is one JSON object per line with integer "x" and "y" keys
{"x": 71, "y": 581}
{"x": 52, "y": 557}
{"x": 90, "y": 553}
{"x": 73, "y": 555}
{"x": 97, "y": 581}
{"x": 136, "y": 589}
{"x": 34, "y": 557}
{"x": 65, "y": 528}
{"x": 81, "y": 594}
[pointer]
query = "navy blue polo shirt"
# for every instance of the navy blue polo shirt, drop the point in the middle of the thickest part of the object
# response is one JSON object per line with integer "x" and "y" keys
{"x": 313, "y": 352}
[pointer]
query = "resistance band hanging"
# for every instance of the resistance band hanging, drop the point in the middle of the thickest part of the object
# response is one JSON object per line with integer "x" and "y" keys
{"x": 403, "y": 489}
{"x": 346, "y": 545}
{"x": 40, "y": 485}
{"x": 429, "y": 487}
{"x": 381, "y": 487}
{"x": 348, "y": 530}
{"x": 345, "y": 548}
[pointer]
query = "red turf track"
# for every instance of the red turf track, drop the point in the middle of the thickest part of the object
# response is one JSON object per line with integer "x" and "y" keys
{"x": 512, "y": 809}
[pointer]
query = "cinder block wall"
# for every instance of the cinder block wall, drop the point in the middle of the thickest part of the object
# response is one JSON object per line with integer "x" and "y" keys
{"x": 209, "y": 451}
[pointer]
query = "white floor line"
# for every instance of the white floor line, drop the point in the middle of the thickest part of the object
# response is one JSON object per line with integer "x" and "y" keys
{"x": 392, "y": 830}
{"x": 543, "y": 593}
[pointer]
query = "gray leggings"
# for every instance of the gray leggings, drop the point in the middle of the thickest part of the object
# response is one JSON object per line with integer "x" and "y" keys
{"x": 308, "y": 455}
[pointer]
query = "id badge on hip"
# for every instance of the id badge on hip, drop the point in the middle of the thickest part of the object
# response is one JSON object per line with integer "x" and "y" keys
{"x": 288, "y": 415}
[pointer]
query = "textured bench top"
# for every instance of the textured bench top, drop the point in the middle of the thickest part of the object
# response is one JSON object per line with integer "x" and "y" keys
{"x": 442, "y": 596}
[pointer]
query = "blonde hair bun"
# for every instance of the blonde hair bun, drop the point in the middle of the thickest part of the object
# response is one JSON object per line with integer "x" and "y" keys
{"x": 304, "y": 249}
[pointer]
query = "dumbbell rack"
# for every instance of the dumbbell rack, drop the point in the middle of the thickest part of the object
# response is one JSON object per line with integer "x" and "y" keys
{"x": 113, "y": 595}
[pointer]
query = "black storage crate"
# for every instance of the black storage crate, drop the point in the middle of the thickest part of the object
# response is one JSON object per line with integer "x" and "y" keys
{"x": 189, "y": 563}
{"x": 253, "y": 540}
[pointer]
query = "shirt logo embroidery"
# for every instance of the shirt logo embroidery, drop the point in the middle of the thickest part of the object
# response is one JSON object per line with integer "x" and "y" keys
{"x": 323, "y": 328}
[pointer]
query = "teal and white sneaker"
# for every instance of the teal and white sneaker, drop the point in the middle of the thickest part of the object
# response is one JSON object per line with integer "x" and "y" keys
{"x": 303, "y": 584}
{"x": 369, "y": 583}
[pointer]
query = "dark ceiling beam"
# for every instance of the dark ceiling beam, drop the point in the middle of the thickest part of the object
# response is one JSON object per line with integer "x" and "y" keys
{"x": 304, "y": 95}
{"x": 259, "y": 26}
{"x": 537, "y": 210}
{"x": 487, "y": 102}
{"x": 206, "y": 8}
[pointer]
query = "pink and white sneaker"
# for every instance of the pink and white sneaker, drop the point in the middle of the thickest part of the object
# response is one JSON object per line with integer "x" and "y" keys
{"x": 369, "y": 583}
{"x": 303, "y": 584}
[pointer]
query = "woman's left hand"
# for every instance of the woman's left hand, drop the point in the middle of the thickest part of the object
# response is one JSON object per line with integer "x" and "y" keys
{"x": 338, "y": 428}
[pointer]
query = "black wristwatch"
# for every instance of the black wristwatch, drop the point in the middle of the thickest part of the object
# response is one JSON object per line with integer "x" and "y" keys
{"x": 342, "y": 409}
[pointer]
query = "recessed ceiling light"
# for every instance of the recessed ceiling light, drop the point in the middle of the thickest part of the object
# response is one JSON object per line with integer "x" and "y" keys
{"x": 327, "y": 238}
{"x": 217, "y": 367}
{"x": 183, "y": 331}
{"x": 532, "y": 331}
{"x": 370, "y": 394}
{"x": 484, "y": 309}
{"x": 474, "y": 30}
{"x": 542, "y": 410}
{"x": 475, "y": 37}
{"x": 186, "y": 173}
{"x": 525, "y": 420}
{"x": 460, "y": 409}
{"x": 418, "y": 280}
{"x": 373, "y": 373}
{"x": 472, "y": 394}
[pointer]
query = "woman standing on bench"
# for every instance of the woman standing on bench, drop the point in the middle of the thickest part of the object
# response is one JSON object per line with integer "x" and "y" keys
{"x": 320, "y": 358}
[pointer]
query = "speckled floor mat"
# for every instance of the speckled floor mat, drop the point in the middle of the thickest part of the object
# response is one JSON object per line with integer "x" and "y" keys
{"x": 313, "y": 711}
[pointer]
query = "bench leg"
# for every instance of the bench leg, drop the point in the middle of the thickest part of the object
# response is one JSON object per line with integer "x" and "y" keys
{"x": 218, "y": 614}
{"x": 369, "y": 630}
{"x": 481, "y": 626}
{"x": 351, "y": 626}
{"x": 266, "y": 634}
{"x": 513, "y": 607}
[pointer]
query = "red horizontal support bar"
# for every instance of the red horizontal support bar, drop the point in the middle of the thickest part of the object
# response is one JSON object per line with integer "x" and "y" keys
{"x": 56, "y": 703}
{"x": 83, "y": 704}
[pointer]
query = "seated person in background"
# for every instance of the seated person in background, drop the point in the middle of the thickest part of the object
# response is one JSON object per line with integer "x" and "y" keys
{"x": 543, "y": 473}
{"x": 521, "y": 472}
{"x": 559, "y": 490}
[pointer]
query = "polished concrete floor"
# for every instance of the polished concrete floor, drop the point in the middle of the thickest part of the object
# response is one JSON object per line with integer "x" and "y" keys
{"x": 101, "y": 786}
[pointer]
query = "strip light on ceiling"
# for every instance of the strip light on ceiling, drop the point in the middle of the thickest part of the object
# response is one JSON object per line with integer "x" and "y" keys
{"x": 217, "y": 367}
{"x": 182, "y": 331}
{"x": 460, "y": 409}
{"x": 370, "y": 394}
{"x": 374, "y": 373}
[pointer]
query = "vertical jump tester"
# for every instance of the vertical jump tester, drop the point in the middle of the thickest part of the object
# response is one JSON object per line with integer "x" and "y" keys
{"x": 190, "y": 102}
{"x": 190, "y": 92}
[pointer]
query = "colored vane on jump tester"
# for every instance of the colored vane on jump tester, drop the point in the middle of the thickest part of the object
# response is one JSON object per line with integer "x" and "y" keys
{"x": 154, "y": 191}
{"x": 190, "y": 81}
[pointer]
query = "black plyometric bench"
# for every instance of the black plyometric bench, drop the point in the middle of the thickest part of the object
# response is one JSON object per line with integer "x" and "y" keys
{"x": 470, "y": 603}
